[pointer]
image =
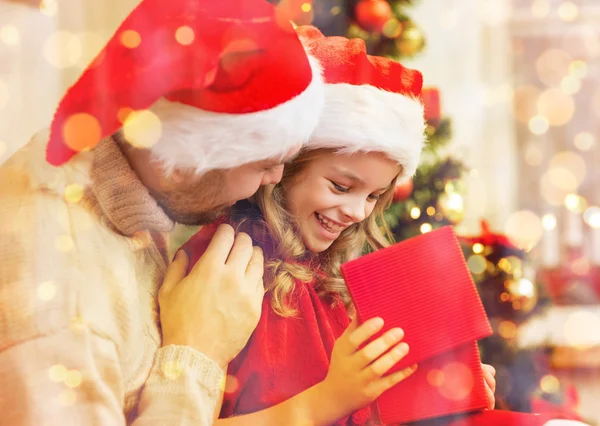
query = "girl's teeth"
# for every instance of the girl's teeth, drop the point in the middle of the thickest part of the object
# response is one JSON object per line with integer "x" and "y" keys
{"x": 330, "y": 226}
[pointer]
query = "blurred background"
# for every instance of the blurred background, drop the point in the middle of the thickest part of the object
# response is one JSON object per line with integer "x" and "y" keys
{"x": 513, "y": 106}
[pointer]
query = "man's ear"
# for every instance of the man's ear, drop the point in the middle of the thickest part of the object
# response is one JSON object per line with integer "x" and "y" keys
{"x": 177, "y": 175}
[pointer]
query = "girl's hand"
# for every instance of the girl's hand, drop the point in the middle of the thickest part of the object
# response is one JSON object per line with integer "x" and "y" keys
{"x": 357, "y": 377}
{"x": 489, "y": 373}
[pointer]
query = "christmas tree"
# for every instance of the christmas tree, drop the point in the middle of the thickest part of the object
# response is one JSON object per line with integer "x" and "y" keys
{"x": 433, "y": 198}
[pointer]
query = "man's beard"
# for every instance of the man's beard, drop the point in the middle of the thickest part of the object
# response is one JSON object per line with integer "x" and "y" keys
{"x": 195, "y": 218}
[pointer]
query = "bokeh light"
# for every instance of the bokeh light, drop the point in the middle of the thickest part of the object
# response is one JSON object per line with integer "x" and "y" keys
{"x": 549, "y": 384}
{"x": 570, "y": 161}
{"x": 549, "y": 222}
{"x": 584, "y": 141}
{"x": 478, "y": 248}
{"x": 73, "y": 193}
{"x": 575, "y": 203}
{"x": 184, "y": 35}
{"x": 524, "y": 227}
{"x": 578, "y": 68}
{"x": 540, "y": 8}
{"x": 130, "y": 39}
{"x": 534, "y": 154}
{"x": 46, "y": 291}
{"x": 62, "y": 49}
{"x": 525, "y": 102}
{"x": 556, "y": 106}
{"x": 552, "y": 66}
{"x": 73, "y": 379}
{"x": 82, "y": 131}
{"x": 570, "y": 85}
{"x": 492, "y": 12}
{"x": 582, "y": 329}
{"x": 477, "y": 264}
{"x": 49, "y": 7}
{"x": 425, "y": 228}
{"x": 415, "y": 212}
{"x": 57, "y": 373}
{"x": 592, "y": 217}
{"x": 538, "y": 125}
{"x": 507, "y": 329}
{"x": 568, "y": 11}
{"x": 457, "y": 381}
{"x": 142, "y": 128}
{"x": 9, "y": 35}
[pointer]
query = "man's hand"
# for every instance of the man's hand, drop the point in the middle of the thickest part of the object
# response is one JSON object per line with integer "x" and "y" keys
{"x": 217, "y": 306}
{"x": 489, "y": 373}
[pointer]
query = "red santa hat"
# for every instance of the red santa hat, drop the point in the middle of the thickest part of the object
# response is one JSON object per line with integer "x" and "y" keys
{"x": 371, "y": 103}
{"x": 212, "y": 84}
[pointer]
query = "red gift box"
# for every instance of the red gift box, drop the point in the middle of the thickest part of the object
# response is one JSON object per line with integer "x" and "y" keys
{"x": 424, "y": 286}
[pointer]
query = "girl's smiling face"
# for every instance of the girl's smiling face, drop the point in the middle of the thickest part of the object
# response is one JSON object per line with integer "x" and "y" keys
{"x": 336, "y": 191}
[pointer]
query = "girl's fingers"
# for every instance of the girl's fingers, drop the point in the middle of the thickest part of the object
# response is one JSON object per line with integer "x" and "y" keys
{"x": 381, "y": 385}
{"x": 355, "y": 335}
{"x": 383, "y": 364}
{"x": 379, "y": 346}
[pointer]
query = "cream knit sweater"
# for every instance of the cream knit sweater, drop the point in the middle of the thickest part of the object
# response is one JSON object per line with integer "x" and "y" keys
{"x": 82, "y": 254}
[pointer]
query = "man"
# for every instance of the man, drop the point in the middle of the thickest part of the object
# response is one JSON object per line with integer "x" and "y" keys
{"x": 190, "y": 107}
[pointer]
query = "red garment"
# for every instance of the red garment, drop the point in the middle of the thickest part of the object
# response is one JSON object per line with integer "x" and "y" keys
{"x": 285, "y": 355}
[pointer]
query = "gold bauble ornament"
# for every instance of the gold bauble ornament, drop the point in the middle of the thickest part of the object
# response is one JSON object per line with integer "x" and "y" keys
{"x": 411, "y": 41}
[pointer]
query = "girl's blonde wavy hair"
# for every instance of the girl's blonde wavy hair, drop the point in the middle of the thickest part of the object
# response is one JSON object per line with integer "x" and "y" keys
{"x": 286, "y": 257}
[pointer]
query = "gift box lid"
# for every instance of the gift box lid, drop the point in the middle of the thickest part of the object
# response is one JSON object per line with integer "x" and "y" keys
{"x": 424, "y": 286}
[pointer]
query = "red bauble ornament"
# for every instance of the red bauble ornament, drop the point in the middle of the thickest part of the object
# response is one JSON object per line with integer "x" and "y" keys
{"x": 403, "y": 190}
{"x": 373, "y": 14}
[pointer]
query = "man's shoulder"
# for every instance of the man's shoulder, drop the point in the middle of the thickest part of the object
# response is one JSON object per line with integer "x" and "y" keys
{"x": 27, "y": 169}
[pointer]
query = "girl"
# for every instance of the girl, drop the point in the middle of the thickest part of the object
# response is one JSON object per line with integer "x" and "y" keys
{"x": 306, "y": 363}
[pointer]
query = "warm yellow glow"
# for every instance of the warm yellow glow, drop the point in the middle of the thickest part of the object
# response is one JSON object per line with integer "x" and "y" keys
{"x": 549, "y": 384}
{"x": 82, "y": 131}
{"x": 306, "y": 7}
{"x": 431, "y": 210}
{"x": 582, "y": 329}
{"x": 415, "y": 212}
{"x": 142, "y": 128}
{"x": 578, "y": 68}
{"x": 570, "y": 85}
{"x": 549, "y": 222}
{"x": 572, "y": 162}
{"x": 552, "y": 66}
{"x": 62, "y": 49}
{"x": 526, "y": 102}
{"x": 592, "y": 217}
{"x": 524, "y": 228}
{"x": 184, "y": 35}
{"x": 57, "y": 373}
{"x": 575, "y": 203}
{"x": 568, "y": 11}
{"x": 130, "y": 39}
{"x": 49, "y": 7}
{"x": 507, "y": 329}
{"x": 46, "y": 291}
{"x": 425, "y": 228}
{"x": 73, "y": 379}
{"x": 478, "y": 248}
{"x": 73, "y": 193}
{"x": 538, "y": 125}
{"x": 556, "y": 106}
{"x": 477, "y": 264}
{"x": 584, "y": 141}
{"x": 9, "y": 35}
{"x": 540, "y": 8}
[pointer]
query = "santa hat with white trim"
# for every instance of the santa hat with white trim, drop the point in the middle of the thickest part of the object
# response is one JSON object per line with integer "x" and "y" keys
{"x": 203, "y": 84}
{"x": 371, "y": 103}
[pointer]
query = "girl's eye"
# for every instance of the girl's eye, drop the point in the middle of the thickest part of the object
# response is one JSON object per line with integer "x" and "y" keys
{"x": 339, "y": 188}
{"x": 374, "y": 197}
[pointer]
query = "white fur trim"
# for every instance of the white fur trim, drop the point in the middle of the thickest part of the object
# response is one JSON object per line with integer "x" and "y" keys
{"x": 365, "y": 119}
{"x": 204, "y": 140}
